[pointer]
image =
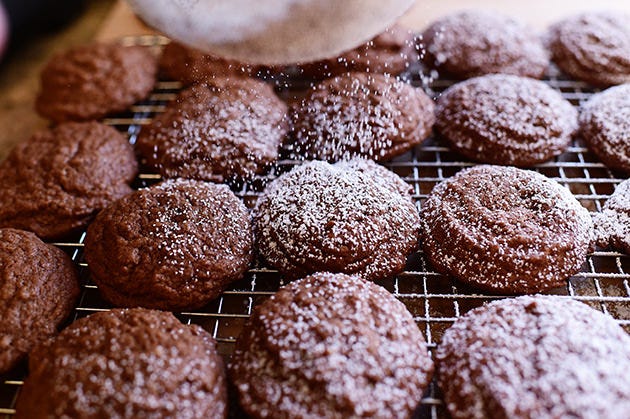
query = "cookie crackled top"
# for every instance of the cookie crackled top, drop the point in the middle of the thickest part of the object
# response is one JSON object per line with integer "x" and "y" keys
{"x": 505, "y": 229}
{"x": 352, "y": 217}
{"x": 535, "y": 357}
{"x": 224, "y": 129}
{"x": 505, "y": 119}
{"x": 126, "y": 363}
{"x": 331, "y": 345}
{"x": 605, "y": 126}
{"x": 173, "y": 246}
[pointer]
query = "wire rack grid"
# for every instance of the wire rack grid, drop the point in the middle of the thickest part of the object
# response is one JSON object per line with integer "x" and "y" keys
{"x": 434, "y": 300}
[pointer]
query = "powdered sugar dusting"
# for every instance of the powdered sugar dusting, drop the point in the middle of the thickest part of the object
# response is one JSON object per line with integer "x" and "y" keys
{"x": 231, "y": 129}
{"x": 336, "y": 218}
{"x": 476, "y": 42}
{"x": 126, "y": 363}
{"x": 503, "y": 119}
{"x": 360, "y": 115}
{"x": 612, "y": 225}
{"x": 172, "y": 246}
{"x": 594, "y": 47}
{"x": 605, "y": 126}
{"x": 331, "y": 346}
{"x": 542, "y": 356}
{"x": 505, "y": 229}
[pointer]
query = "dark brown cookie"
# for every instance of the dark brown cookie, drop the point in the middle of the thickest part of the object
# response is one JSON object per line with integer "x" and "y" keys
{"x": 535, "y": 357}
{"x": 390, "y": 52}
{"x": 334, "y": 346}
{"x": 228, "y": 129}
{"x": 359, "y": 115}
{"x": 126, "y": 364}
{"x": 473, "y": 43}
{"x": 91, "y": 81}
{"x": 350, "y": 217}
{"x": 605, "y": 126}
{"x": 54, "y": 183}
{"x": 594, "y": 47}
{"x": 505, "y": 230}
{"x": 191, "y": 66}
{"x": 612, "y": 225}
{"x": 38, "y": 289}
{"x": 504, "y": 119}
{"x": 173, "y": 246}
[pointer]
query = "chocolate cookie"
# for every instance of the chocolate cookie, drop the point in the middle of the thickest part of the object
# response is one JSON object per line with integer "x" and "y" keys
{"x": 473, "y": 43}
{"x": 191, "y": 66}
{"x": 605, "y": 126}
{"x": 173, "y": 246}
{"x": 594, "y": 47}
{"x": 359, "y": 115}
{"x": 229, "y": 129}
{"x": 505, "y": 230}
{"x": 612, "y": 225}
{"x": 91, "y": 81}
{"x": 54, "y": 183}
{"x": 535, "y": 357}
{"x": 504, "y": 119}
{"x": 334, "y": 346}
{"x": 38, "y": 289}
{"x": 350, "y": 217}
{"x": 126, "y": 364}
{"x": 390, "y": 52}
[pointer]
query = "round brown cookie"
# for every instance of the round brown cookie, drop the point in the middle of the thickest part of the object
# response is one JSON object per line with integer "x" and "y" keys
{"x": 594, "y": 47}
{"x": 348, "y": 217}
{"x": 473, "y": 43}
{"x": 334, "y": 346}
{"x": 506, "y": 230}
{"x": 535, "y": 357}
{"x": 605, "y": 126}
{"x": 126, "y": 364}
{"x": 91, "y": 81}
{"x": 173, "y": 246}
{"x": 38, "y": 289}
{"x": 390, "y": 52}
{"x": 54, "y": 183}
{"x": 504, "y": 119}
{"x": 231, "y": 128}
{"x": 191, "y": 66}
{"x": 359, "y": 115}
{"x": 612, "y": 225}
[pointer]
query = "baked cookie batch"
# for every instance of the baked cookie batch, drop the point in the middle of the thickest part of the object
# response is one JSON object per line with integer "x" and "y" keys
{"x": 330, "y": 343}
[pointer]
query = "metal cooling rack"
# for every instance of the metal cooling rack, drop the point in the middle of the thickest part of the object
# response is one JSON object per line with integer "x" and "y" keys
{"x": 434, "y": 300}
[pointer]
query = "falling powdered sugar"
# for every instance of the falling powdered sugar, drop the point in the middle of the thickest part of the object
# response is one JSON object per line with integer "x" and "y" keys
{"x": 359, "y": 115}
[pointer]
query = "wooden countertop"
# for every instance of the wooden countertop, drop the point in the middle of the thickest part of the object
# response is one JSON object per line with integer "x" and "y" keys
{"x": 111, "y": 19}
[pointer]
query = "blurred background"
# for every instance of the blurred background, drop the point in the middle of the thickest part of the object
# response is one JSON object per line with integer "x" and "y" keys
{"x": 32, "y": 30}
